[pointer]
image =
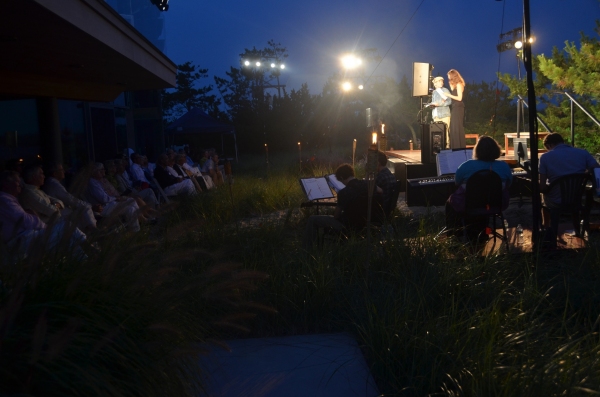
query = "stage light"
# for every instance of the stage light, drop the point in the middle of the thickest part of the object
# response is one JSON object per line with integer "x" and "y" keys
{"x": 360, "y": 87}
{"x": 257, "y": 64}
{"x": 162, "y": 5}
{"x": 282, "y": 66}
{"x": 247, "y": 63}
{"x": 273, "y": 65}
{"x": 346, "y": 86}
{"x": 518, "y": 44}
{"x": 350, "y": 61}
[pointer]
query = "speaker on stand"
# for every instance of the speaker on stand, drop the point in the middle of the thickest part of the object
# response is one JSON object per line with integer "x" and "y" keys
{"x": 433, "y": 140}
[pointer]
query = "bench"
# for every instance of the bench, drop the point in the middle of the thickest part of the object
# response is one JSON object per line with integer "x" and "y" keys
{"x": 472, "y": 136}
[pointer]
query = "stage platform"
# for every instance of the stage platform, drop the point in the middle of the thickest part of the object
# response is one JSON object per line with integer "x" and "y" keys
{"x": 414, "y": 156}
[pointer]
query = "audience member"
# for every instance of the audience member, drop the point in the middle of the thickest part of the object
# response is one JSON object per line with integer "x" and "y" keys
{"x": 180, "y": 167}
{"x": 385, "y": 179}
{"x": 172, "y": 185}
{"x": 142, "y": 193}
{"x": 211, "y": 168}
{"x": 112, "y": 203}
{"x": 35, "y": 199}
{"x": 137, "y": 173}
{"x": 351, "y": 209}
{"x": 81, "y": 210}
{"x": 485, "y": 157}
{"x": 560, "y": 160}
{"x": 20, "y": 227}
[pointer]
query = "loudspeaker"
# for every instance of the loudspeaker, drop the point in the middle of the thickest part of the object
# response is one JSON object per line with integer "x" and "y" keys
{"x": 433, "y": 140}
{"x": 421, "y": 79}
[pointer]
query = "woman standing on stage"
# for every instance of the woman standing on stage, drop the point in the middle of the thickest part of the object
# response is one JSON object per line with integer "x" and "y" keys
{"x": 457, "y": 110}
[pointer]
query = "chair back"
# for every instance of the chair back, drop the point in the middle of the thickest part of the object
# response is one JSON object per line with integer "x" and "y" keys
{"x": 572, "y": 188}
{"x": 483, "y": 193}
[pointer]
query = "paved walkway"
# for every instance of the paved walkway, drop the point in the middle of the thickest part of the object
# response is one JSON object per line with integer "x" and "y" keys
{"x": 329, "y": 365}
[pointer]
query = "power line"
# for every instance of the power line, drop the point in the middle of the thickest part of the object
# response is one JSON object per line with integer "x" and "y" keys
{"x": 397, "y": 37}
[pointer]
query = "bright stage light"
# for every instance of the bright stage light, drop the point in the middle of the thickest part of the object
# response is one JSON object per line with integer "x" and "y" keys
{"x": 282, "y": 66}
{"x": 247, "y": 63}
{"x": 360, "y": 87}
{"x": 346, "y": 86}
{"x": 257, "y": 64}
{"x": 350, "y": 61}
{"x": 273, "y": 65}
{"x": 518, "y": 44}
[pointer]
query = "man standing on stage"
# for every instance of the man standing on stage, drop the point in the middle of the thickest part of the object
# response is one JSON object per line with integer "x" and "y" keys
{"x": 441, "y": 103}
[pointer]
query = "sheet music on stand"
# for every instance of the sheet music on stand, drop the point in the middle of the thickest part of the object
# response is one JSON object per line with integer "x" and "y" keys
{"x": 316, "y": 188}
{"x": 448, "y": 161}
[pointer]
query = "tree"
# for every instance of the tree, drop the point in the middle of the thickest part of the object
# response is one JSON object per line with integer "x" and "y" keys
{"x": 187, "y": 95}
{"x": 571, "y": 69}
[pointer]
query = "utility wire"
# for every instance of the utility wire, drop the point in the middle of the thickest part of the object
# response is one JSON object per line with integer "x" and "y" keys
{"x": 397, "y": 37}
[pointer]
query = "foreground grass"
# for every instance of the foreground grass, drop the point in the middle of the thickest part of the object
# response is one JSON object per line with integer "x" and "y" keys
{"x": 432, "y": 317}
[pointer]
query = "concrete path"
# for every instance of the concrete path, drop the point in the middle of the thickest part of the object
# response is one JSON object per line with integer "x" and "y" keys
{"x": 330, "y": 365}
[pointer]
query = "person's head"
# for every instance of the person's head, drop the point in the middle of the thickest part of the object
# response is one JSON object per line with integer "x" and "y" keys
{"x": 215, "y": 158}
{"x": 343, "y": 172}
{"x": 111, "y": 166}
{"x": 180, "y": 159}
{"x": 170, "y": 153}
{"x": 144, "y": 161}
{"x": 438, "y": 82}
{"x": 454, "y": 78}
{"x": 14, "y": 165}
{"x": 552, "y": 140}
{"x": 54, "y": 170}
{"x": 486, "y": 149}
{"x": 98, "y": 171}
{"x": 119, "y": 165}
{"x": 381, "y": 159}
{"x": 33, "y": 175}
{"x": 135, "y": 158}
{"x": 162, "y": 160}
{"x": 10, "y": 182}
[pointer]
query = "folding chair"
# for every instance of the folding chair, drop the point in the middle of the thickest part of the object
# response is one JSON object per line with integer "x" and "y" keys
{"x": 483, "y": 201}
{"x": 161, "y": 193}
{"x": 572, "y": 191}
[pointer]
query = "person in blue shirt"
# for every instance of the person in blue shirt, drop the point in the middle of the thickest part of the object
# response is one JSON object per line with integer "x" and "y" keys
{"x": 485, "y": 157}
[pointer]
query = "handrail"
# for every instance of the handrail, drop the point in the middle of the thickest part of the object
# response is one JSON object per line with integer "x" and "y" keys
{"x": 542, "y": 122}
{"x": 587, "y": 113}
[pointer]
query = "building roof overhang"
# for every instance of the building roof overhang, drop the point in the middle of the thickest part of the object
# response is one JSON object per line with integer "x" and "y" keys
{"x": 75, "y": 49}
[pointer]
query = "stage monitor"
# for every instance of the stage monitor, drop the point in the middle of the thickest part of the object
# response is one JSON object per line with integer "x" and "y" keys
{"x": 421, "y": 72}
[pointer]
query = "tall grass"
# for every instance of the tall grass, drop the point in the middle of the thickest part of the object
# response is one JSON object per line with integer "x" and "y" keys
{"x": 432, "y": 317}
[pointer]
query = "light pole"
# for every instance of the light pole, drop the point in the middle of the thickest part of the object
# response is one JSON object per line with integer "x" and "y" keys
{"x": 260, "y": 63}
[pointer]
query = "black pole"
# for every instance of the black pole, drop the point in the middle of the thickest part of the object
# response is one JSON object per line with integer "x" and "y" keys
{"x": 533, "y": 128}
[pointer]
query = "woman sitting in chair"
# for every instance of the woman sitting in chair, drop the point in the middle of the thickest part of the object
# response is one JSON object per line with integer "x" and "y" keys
{"x": 485, "y": 157}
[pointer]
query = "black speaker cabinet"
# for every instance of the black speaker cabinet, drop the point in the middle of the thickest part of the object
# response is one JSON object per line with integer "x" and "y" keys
{"x": 433, "y": 137}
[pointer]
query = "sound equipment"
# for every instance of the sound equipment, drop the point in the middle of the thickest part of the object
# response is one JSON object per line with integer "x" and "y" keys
{"x": 421, "y": 73}
{"x": 405, "y": 171}
{"x": 433, "y": 140}
{"x": 423, "y": 192}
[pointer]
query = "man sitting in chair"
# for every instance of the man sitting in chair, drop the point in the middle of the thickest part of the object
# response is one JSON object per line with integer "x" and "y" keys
{"x": 385, "y": 180}
{"x": 485, "y": 157}
{"x": 560, "y": 160}
{"x": 351, "y": 209}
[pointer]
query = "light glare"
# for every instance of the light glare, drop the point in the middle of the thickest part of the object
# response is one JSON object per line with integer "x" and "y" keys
{"x": 346, "y": 86}
{"x": 350, "y": 61}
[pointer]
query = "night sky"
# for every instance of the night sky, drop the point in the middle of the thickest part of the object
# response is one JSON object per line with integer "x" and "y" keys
{"x": 460, "y": 34}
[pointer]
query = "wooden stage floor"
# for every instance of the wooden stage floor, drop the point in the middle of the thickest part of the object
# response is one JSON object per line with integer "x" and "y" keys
{"x": 414, "y": 156}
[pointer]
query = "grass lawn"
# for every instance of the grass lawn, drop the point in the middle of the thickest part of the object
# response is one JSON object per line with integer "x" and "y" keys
{"x": 432, "y": 317}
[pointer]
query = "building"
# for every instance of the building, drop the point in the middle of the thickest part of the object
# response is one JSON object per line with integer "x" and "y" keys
{"x": 78, "y": 82}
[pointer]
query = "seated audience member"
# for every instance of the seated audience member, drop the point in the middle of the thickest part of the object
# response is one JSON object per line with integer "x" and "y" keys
{"x": 142, "y": 193}
{"x": 148, "y": 169}
{"x": 82, "y": 210}
{"x": 485, "y": 157}
{"x": 211, "y": 168}
{"x": 560, "y": 160}
{"x": 172, "y": 185}
{"x": 20, "y": 227}
{"x": 137, "y": 173}
{"x": 351, "y": 209}
{"x": 188, "y": 156}
{"x": 203, "y": 159}
{"x": 34, "y": 198}
{"x": 182, "y": 169}
{"x": 112, "y": 204}
{"x": 195, "y": 171}
{"x": 384, "y": 179}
